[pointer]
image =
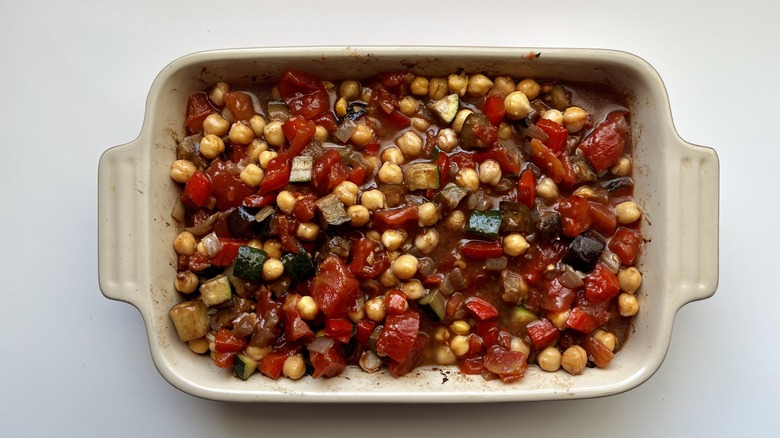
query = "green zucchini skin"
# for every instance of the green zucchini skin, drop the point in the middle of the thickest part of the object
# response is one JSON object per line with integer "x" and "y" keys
{"x": 249, "y": 263}
{"x": 485, "y": 223}
{"x": 298, "y": 266}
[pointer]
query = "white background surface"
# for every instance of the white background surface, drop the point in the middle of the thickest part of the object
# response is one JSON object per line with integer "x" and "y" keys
{"x": 74, "y": 82}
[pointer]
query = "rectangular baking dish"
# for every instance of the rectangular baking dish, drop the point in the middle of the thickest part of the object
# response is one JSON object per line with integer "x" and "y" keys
{"x": 676, "y": 187}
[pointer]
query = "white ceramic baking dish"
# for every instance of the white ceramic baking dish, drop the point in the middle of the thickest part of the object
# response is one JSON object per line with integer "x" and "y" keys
{"x": 676, "y": 186}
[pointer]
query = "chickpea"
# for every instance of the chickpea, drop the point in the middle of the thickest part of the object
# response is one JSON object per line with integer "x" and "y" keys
{"x": 390, "y": 173}
{"x": 255, "y": 243}
{"x": 198, "y": 346}
{"x": 257, "y": 123}
{"x": 630, "y": 279}
{"x": 627, "y": 212}
{"x": 413, "y": 289}
{"x": 622, "y": 167}
{"x": 185, "y": 243}
{"x": 443, "y": 355}
{"x": 393, "y": 239}
{"x": 456, "y": 221}
{"x": 515, "y": 244}
{"x": 437, "y": 88}
{"x": 252, "y": 175}
{"x": 628, "y": 305}
{"x": 553, "y": 115}
{"x": 547, "y": 188}
{"x": 358, "y": 215}
{"x": 575, "y": 118}
{"x": 366, "y": 94}
{"x": 504, "y": 131}
{"x": 559, "y": 318}
{"x": 211, "y": 146}
{"x": 294, "y": 367}
{"x": 217, "y": 93}
{"x": 574, "y": 359}
{"x": 441, "y": 335}
{"x": 458, "y": 83}
{"x": 459, "y": 345}
{"x": 273, "y": 247}
{"x": 393, "y": 155}
{"x": 286, "y": 201}
{"x": 479, "y": 85}
{"x": 460, "y": 327}
{"x": 308, "y": 231}
{"x": 186, "y": 282}
{"x": 549, "y": 359}
{"x": 307, "y": 307}
{"x": 503, "y": 85}
{"x": 517, "y": 344}
{"x": 447, "y": 139}
{"x": 376, "y": 309}
{"x": 274, "y": 134}
{"x": 410, "y": 144}
{"x": 408, "y": 106}
{"x": 346, "y": 191}
{"x": 427, "y": 241}
{"x": 420, "y": 123}
{"x": 254, "y": 149}
{"x": 607, "y": 338}
{"x": 517, "y": 105}
{"x": 428, "y": 214}
{"x": 182, "y": 170}
{"x": 320, "y": 133}
{"x": 265, "y": 157}
{"x": 349, "y": 89}
{"x": 419, "y": 86}
{"x": 215, "y": 124}
{"x": 467, "y": 178}
{"x": 405, "y": 266}
{"x": 241, "y": 133}
{"x": 272, "y": 269}
{"x": 489, "y": 172}
{"x": 529, "y": 87}
{"x": 388, "y": 279}
{"x": 373, "y": 199}
{"x": 340, "y": 107}
{"x": 362, "y": 136}
{"x": 460, "y": 118}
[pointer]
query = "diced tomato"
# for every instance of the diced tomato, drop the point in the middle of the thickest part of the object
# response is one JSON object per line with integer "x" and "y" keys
{"x": 556, "y": 135}
{"x": 625, "y": 244}
{"x": 237, "y": 152}
{"x": 257, "y": 201}
{"x": 603, "y": 219}
{"x": 198, "y": 189}
{"x": 224, "y": 360}
{"x": 229, "y": 251}
{"x": 363, "y": 332}
{"x": 443, "y": 162}
{"x": 481, "y": 309}
{"x": 575, "y": 215}
{"x": 227, "y": 187}
{"x": 488, "y": 332}
{"x": 463, "y": 160}
{"x": 399, "y": 368}
{"x": 472, "y": 365}
{"x": 272, "y": 363}
{"x": 327, "y": 120}
{"x": 581, "y": 321}
{"x": 479, "y": 250}
{"x": 396, "y": 78}
{"x": 299, "y": 132}
{"x": 399, "y": 335}
{"x": 569, "y": 178}
{"x": 494, "y": 109}
{"x": 304, "y": 208}
{"x": 395, "y": 302}
{"x": 339, "y": 329}
{"x": 509, "y": 365}
{"x": 546, "y": 160}
{"x": 455, "y": 308}
{"x": 487, "y": 134}
{"x": 294, "y": 326}
{"x": 328, "y": 364}
{"x": 597, "y": 351}
{"x": 604, "y": 146}
{"x": 433, "y": 281}
{"x": 240, "y": 105}
{"x": 198, "y": 108}
{"x": 285, "y": 228}
{"x": 542, "y": 255}
{"x": 369, "y": 259}
{"x": 526, "y": 188}
{"x": 277, "y": 174}
{"x": 557, "y": 297}
{"x": 397, "y": 119}
{"x": 334, "y": 287}
{"x": 198, "y": 262}
{"x": 476, "y": 344}
{"x": 601, "y": 284}
{"x": 305, "y": 94}
{"x": 357, "y": 175}
{"x": 501, "y": 155}
{"x": 542, "y": 333}
{"x": 225, "y": 342}
{"x": 400, "y": 217}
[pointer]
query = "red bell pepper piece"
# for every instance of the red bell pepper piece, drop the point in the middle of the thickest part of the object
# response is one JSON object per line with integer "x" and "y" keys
{"x": 544, "y": 158}
{"x": 601, "y": 284}
{"x": 479, "y": 250}
{"x": 224, "y": 360}
{"x": 542, "y": 333}
{"x": 277, "y": 174}
{"x": 395, "y": 217}
{"x": 575, "y": 215}
{"x": 328, "y": 364}
{"x": 601, "y": 355}
{"x": 305, "y": 94}
{"x": 229, "y": 251}
{"x": 526, "y": 188}
{"x": 327, "y": 120}
{"x": 299, "y": 133}
{"x": 494, "y": 109}
{"x": 198, "y": 189}
{"x": 363, "y": 332}
{"x": 334, "y": 287}
{"x": 602, "y": 218}
{"x": 272, "y": 363}
{"x": 582, "y": 321}
{"x": 357, "y": 175}
{"x": 321, "y": 169}
{"x": 487, "y": 331}
{"x": 395, "y": 302}
{"x": 398, "y": 369}
{"x": 257, "y": 201}
{"x": 198, "y": 108}
{"x": 294, "y": 326}
{"x": 472, "y": 365}
{"x": 556, "y": 135}
{"x": 443, "y": 161}
{"x": 339, "y": 329}
{"x": 399, "y": 335}
{"x": 604, "y": 146}
{"x": 501, "y": 155}
{"x": 225, "y": 342}
{"x": 227, "y": 187}
{"x": 480, "y": 309}
{"x": 625, "y": 244}
{"x": 557, "y": 297}
{"x": 361, "y": 255}
{"x": 240, "y": 105}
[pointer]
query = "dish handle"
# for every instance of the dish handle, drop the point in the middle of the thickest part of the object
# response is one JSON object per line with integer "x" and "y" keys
{"x": 697, "y": 237}
{"x": 122, "y": 209}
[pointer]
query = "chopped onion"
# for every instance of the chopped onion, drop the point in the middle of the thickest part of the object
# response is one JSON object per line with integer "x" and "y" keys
{"x": 496, "y": 264}
{"x": 204, "y": 227}
{"x": 536, "y": 132}
{"x": 178, "y": 211}
{"x": 570, "y": 278}
{"x": 211, "y": 242}
{"x": 345, "y": 130}
{"x": 505, "y": 185}
{"x": 321, "y": 345}
{"x": 610, "y": 260}
{"x": 264, "y": 213}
